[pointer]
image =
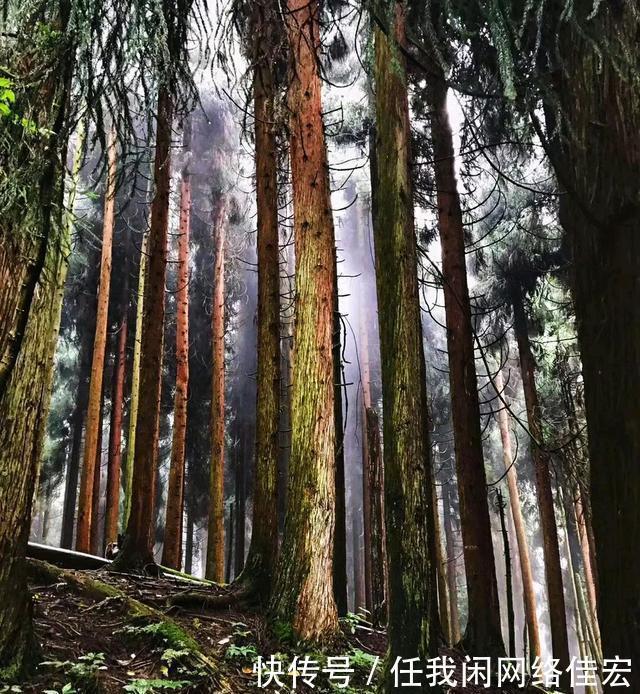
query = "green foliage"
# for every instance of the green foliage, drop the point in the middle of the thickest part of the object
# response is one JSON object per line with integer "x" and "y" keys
{"x": 351, "y": 621}
{"x": 82, "y": 674}
{"x": 244, "y": 653}
{"x": 283, "y": 631}
{"x": 143, "y": 686}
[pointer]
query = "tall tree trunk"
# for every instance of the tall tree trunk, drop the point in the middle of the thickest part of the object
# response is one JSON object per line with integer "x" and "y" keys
{"x": 188, "y": 545}
{"x": 508, "y": 575}
{"x": 215, "y": 538}
{"x": 85, "y": 517}
{"x": 529, "y": 595}
{"x": 366, "y": 466}
{"x": 376, "y": 505}
{"x": 240, "y": 494}
{"x": 135, "y": 382}
{"x": 585, "y": 548}
{"x": 406, "y": 449}
{"x": 340, "y": 534}
{"x": 441, "y": 568}
{"x": 541, "y": 461}
{"x": 358, "y": 574}
{"x": 452, "y": 567}
{"x": 94, "y": 537}
{"x": 595, "y": 153}
{"x": 483, "y": 633}
{"x": 85, "y": 331}
{"x": 34, "y": 247}
{"x": 115, "y": 430}
{"x": 172, "y": 550}
{"x": 303, "y": 591}
{"x": 263, "y": 548}
{"x": 138, "y": 546}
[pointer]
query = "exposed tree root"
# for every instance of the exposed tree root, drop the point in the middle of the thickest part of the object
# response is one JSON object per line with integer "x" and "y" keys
{"x": 210, "y": 600}
{"x": 42, "y": 572}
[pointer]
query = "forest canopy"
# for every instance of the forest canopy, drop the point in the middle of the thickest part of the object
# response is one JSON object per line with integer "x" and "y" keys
{"x": 319, "y": 337}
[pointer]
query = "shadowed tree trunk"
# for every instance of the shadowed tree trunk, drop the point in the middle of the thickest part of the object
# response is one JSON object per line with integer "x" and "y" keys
{"x": 483, "y": 633}
{"x": 303, "y": 591}
{"x": 215, "y": 538}
{"x": 112, "y": 511}
{"x": 138, "y": 546}
{"x": 508, "y": 575}
{"x": 443, "y": 597}
{"x": 135, "y": 382}
{"x": 188, "y": 545}
{"x": 172, "y": 549}
{"x": 240, "y": 505}
{"x": 263, "y": 548}
{"x": 541, "y": 461}
{"x": 94, "y": 538}
{"x": 34, "y": 246}
{"x": 452, "y": 566}
{"x": 518, "y": 523}
{"x": 93, "y": 423}
{"x": 406, "y": 450}
{"x": 340, "y": 534}
{"x": 366, "y": 467}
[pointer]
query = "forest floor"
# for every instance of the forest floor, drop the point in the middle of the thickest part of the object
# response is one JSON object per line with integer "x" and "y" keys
{"x": 97, "y": 644}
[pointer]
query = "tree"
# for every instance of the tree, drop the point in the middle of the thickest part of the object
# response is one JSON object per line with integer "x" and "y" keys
{"x": 483, "y": 633}
{"x": 406, "y": 439}
{"x": 541, "y": 462}
{"x": 137, "y": 551}
{"x": 303, "y": 589}
{"x": 172, "y": 549}
{"x": 115, "y": 426}
{"x": 94, "y": 421}
{"x": 518, "y": 523}
{"x": 263, "y": 548}
{"x": 33, "y": 256}
{"x": 215, "y": 537}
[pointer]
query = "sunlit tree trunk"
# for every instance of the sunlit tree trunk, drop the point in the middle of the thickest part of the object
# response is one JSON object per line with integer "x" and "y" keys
{"x": 93, "y": 423}
{"x": 518, "y": 523}
{"x": 215, "y": 538}
{"x": 541, "y": 461}
{"x": 135, "y": 382}
{"x": 138, "y": 546}
{"x": 483, "y": 633}
{"x": 263, "y": 548}
{"x": 172, "y": 549}
{"x": 303, "y": 592}
{"x": 406, "y": 448}
{"x": 115, "y": 430}
{"x": 585, "y": 548}
{"x": 443, "y": 592}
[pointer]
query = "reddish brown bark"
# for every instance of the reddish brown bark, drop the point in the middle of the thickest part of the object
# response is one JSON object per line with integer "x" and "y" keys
{"x": 93, "y": 424}
{"x": 263, "y": 548}
{"x": 483, "y": 633}
{"x": 94, "y": 537}
{"x": 115, "y": 431}
{"x": 215, "y": 539}
{"x": 303, "y": 592}
{"x": 172, "y": 550}
{"x": 518, "y": 522}
{"x": 138, "y": 547}
{"x": 550, "y": 543}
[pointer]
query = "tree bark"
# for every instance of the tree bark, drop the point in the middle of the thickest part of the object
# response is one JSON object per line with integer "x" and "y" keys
{"x": 85, "y": 507}
{"x": 483, "y": 633}
{"x": 541, "y": 461}
{"x": 508, "y": 575}
{"x": 452, "y": 568}
{"x": 303, "y": 591}
{"x": 443, "y": 597}
{"x": 263, "y": 548}
{"x": 34, "y": 247}
{"x": 138, "y": 546}
{"x": 135, "y": 382}
{"x": 240, "y": 505}
{"x": 172, "y": 549}
{"x": 115, "y": 430}
{"x": 595, "y": 153}
{"x": 94, "y": 537}
{"x": 406, "y": 440}
{"x": 215, "y": 538}
{"x": 529, "y": 595}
